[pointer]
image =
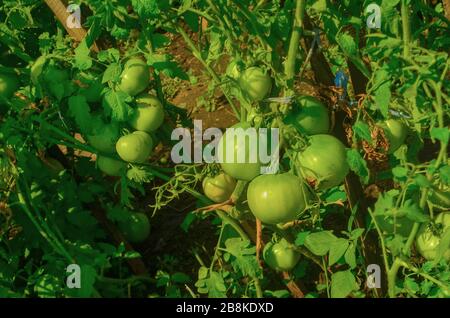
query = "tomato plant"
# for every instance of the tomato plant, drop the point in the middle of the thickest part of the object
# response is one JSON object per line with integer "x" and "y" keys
{"x": 110, "y": 166}
{"x": 136, "y": 227}
{"x": 255, "y": 83}
{"x": 237, "y": 159}
{"x": 277, "y": 199}
{"x": 104, "y": 137}
{"x": 324, "y": 162}
{"x": 396, "y": 133}
{"x": 117, "y": 86}
{"x": 148, "y": 116}
{"x": 135, "y": 77}
{"x": 281, "y": 256}
{"x": 135, "y": 147}
{"x": 309, "y": 117}
{"x": 218, "y": 188}
{"x": 430, "y": 238}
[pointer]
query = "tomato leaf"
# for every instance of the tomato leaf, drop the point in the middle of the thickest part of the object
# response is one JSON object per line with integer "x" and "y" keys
{"x": 382, "y": 93}
{"x": 243, "y": 256}
{"x": 319, "y": 243}
{"x": 362, "y": 130}
{"x": 82, "y": 59}
{"x": 211, "y": 283}
{"x": 358, "y": 164}
{"x": 441, "y": 134}
{"x": 342, "y": 284}
{"x": 350, "y": 255}
{"x": 115, "y": 104}
{"x": 80, "y": 111}
{"x": 337, "y": 250}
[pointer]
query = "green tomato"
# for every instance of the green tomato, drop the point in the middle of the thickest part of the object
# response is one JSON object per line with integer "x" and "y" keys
{"x": 136, "y": 228}
{"x": 9, "y": 83}
{"x": 277, "y": 198}
{"x": 135, "y": 77}
{"x": 135, "y": 147}
{"x": 149, "y": 114}
{"x": 427, "y": 242}
{"x": 240, "y": 147}
{"x": 219, "y": 188}
{"x": 255, "y": 83}
{"x": 104, "y": 137}
{"x": 395, "y": 132}
{"x": 234, "y": 70}
{"x": 110, "y": 166}
{"x": 311, "y": 118}
{"x": 324, "y": 162}
{"x": 280, "y": 256}
{"x": 53, "y": 74}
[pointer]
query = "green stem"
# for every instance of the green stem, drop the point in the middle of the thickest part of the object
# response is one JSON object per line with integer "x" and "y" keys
{"x": 406, "y": 28}
{"x": 392, "y": 275}
{"x": 294, "y": 42}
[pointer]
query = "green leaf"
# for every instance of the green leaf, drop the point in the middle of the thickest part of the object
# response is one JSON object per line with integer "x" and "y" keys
{"x": 342, "y": 284}
{"x": 112, "y": 73}
{"x": 146, "y": 8}
{"x": 413, "y": 212}
{"x": 301, "y": 237}
{"x": 180, "y": 278}
{"x": 400, "y": 172}
{"x": 82, "y": 59}
{"x": 422, "y": 181}
{"x": 188, "y": 219}
{"x": 362, "y": 130}
{"x": 350, "y": 256}
{"x": 337, "y": 250}
{"x": 382, "y": 93}
{"x": 444, "y": 173}
{"x": 47, "y": 286}
{"x": 211, "y": 283}
{"x": 80, "y": 111}
{"x": 358, "y": 164}
{"x": 115, "y": 104}
{"x": 347, "y": 44}
{"x": 319, "y": 243}
{"x": 243, "y": 256}
{"x": 441, "y": 134}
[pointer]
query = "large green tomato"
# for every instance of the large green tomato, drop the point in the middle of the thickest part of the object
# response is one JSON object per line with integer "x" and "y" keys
{"x": 135, "y": 77}
{"x": 311, "y": 118}
{"x": 249, "y": 168}
{"x": 9, "y": 84}
{"x": 395, "y": 132}
{"x": 255, "y": 83}
{"x": 136, "y": 228}
{"x": 324, "y": 161}
{"x": 277, "y": 198}
{"x": 110, "y": 166}
{"x": 135, "y": 147}
{"x": 149, "y": 114}
{"x": 104, "y": 137}
{"x": 427, "y": 242}
{"x": 280, "y": 256}
{"x": 219, "y": 188}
